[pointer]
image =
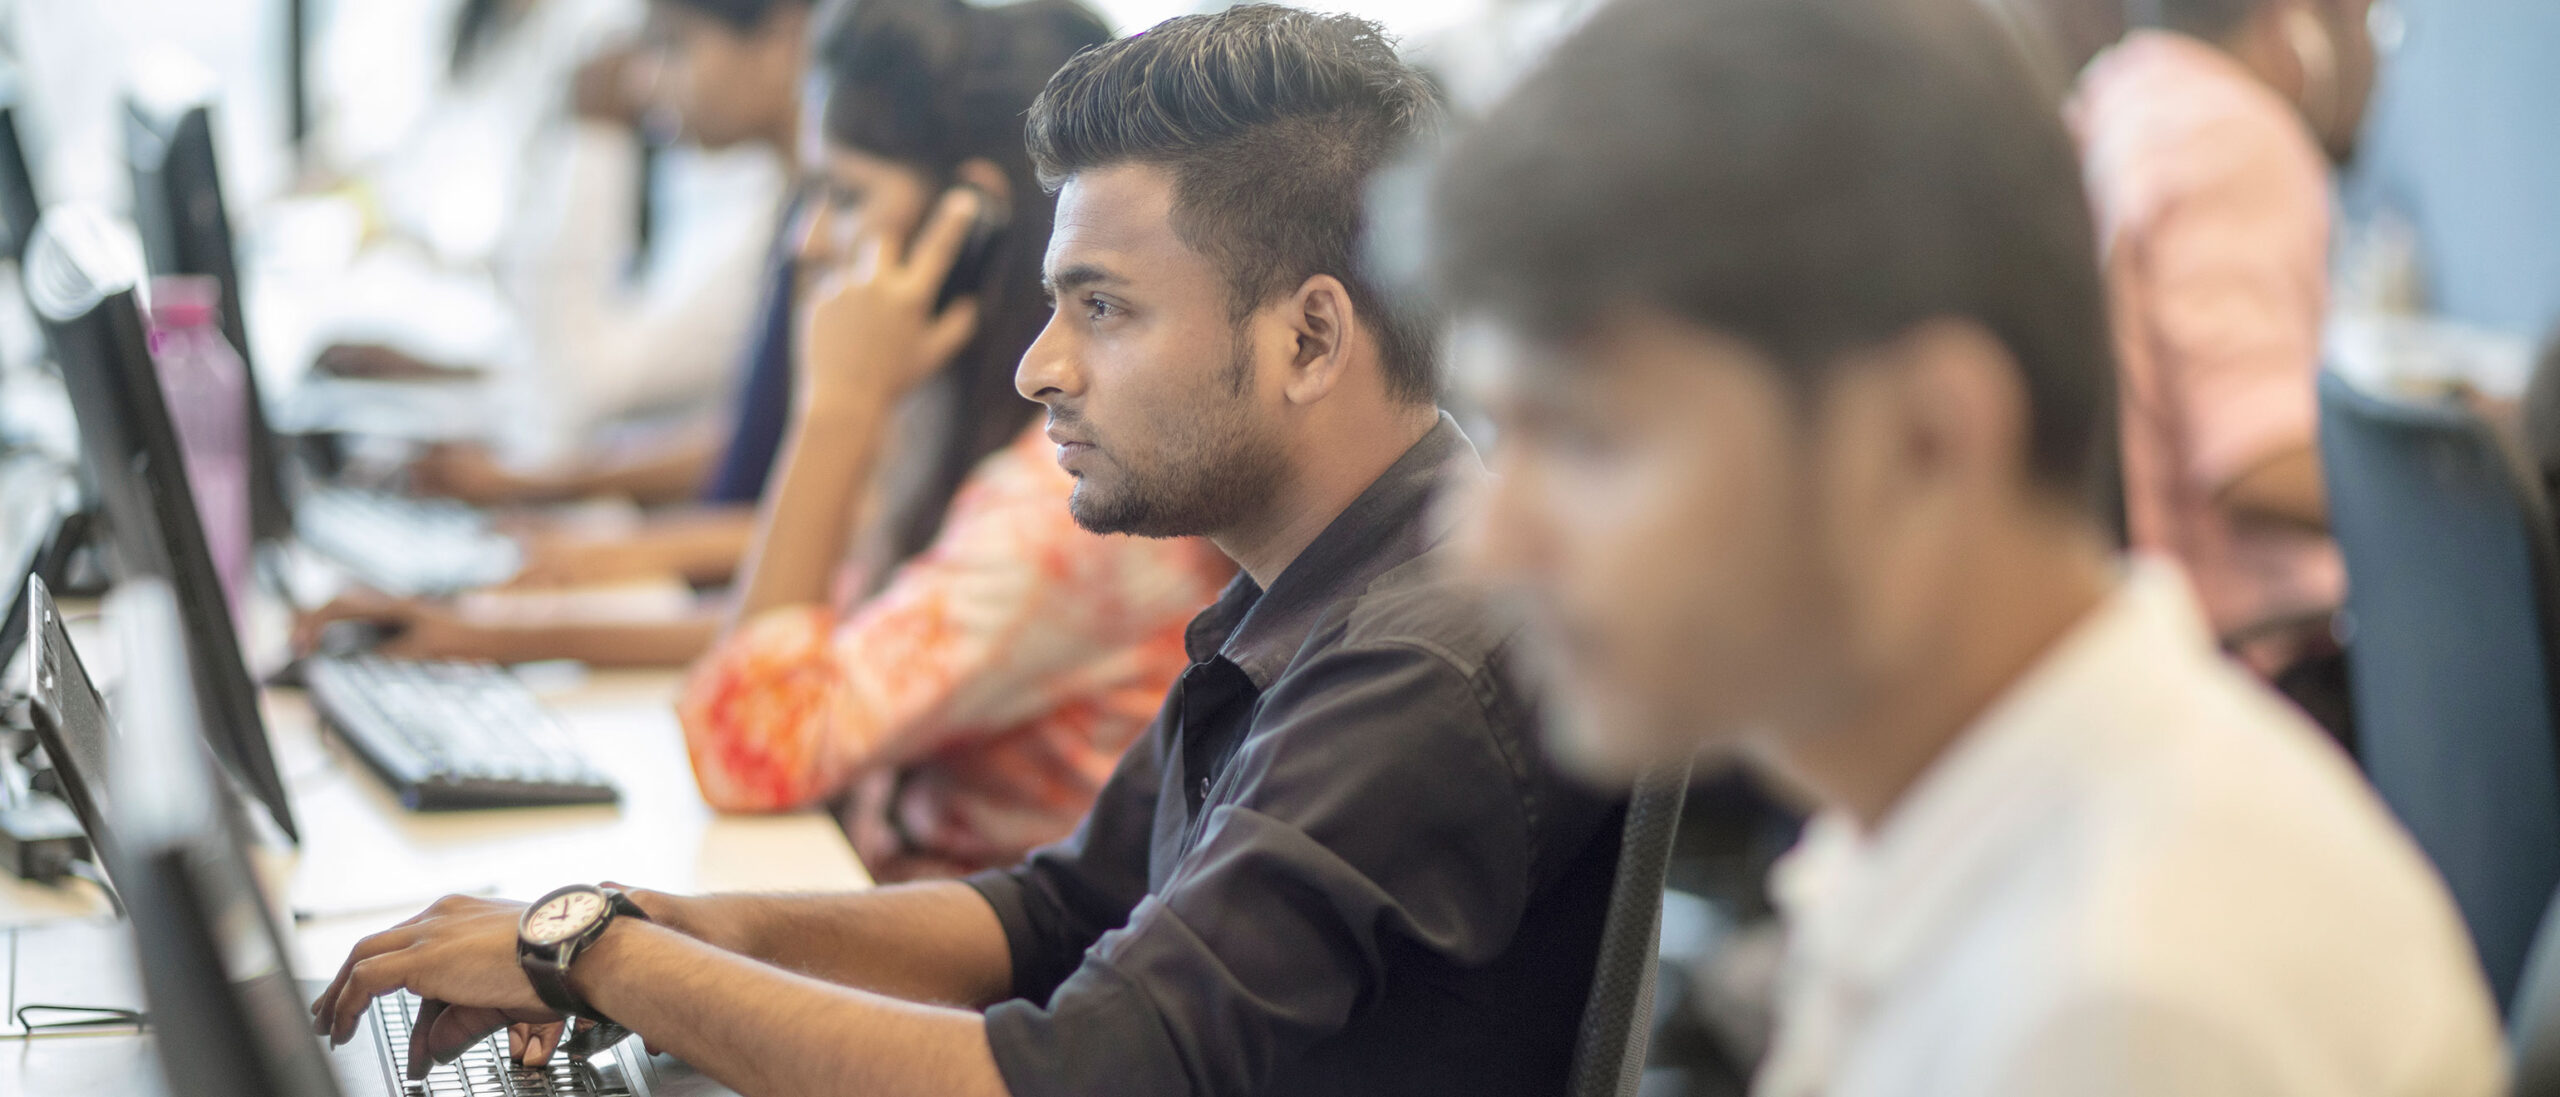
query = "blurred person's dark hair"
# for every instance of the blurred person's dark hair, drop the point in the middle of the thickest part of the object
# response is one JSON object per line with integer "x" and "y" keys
{"x": 1271, "y": 122}
{"x": 2060, "y": 36}
{"x": 932, "y": 84}
{"x": 2211, "y": 20}
{"x": 742, "y": 16}
{"x": 1808, "y": 176}
{"x": 478, "y": 23}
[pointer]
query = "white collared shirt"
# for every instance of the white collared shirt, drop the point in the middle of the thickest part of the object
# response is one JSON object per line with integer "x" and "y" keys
{"x": 2138, "y": 873}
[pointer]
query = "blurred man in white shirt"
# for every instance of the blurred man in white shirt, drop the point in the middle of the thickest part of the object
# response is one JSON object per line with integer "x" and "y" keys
{"x": 1800, "y": 360}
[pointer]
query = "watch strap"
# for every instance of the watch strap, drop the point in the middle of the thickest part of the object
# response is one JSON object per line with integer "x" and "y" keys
{"x": 551, "y": 982}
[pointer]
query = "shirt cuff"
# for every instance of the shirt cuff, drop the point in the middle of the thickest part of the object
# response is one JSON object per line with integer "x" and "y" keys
{"x": 1100, "y": 1035}
{"x": 1003, "y": 892}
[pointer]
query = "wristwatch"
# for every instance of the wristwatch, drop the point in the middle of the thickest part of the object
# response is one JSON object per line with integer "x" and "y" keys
{"x": 549, "y": 938}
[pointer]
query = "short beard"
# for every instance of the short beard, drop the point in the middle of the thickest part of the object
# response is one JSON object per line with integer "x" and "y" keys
{"x": 1224, "y": 468}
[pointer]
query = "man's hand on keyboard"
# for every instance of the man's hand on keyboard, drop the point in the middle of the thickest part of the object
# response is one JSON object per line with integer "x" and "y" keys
{"x": 408, "y": 628}
{"x": 459, "y": 957}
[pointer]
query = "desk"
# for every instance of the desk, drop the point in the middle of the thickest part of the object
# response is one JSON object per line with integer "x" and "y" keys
{"x": 366, "y": 863}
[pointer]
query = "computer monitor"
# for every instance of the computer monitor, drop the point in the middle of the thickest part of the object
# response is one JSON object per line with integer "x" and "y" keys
{"x": 37, "y": 541}
{"x": 297, "y": 76}
{"x": 70, "y": 719}
{"x": 18, "y": 203}
{"x": 177, "y": 205}
{"x": 227, "y": 1015}
{"x": 80, "y": 277}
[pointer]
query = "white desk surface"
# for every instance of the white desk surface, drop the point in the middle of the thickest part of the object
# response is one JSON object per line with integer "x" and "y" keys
{"x": 366, "y": 864}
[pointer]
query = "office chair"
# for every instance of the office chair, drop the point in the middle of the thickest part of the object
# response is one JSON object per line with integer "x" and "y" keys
{"x": 1617, "y": 1020}
{"x": 2450, "y": 601}
{"x": 2539, "y": 415}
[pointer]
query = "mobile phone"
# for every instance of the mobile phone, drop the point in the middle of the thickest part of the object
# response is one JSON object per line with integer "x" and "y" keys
{"x": 977, "y": 253}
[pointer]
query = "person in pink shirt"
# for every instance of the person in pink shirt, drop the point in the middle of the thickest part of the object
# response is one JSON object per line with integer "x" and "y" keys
{"x": 2205, "y": 141}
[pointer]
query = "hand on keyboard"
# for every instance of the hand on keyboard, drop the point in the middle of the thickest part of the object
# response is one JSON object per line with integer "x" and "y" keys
{"x": 412, "y": 628}
{"x": 459, "y": 957}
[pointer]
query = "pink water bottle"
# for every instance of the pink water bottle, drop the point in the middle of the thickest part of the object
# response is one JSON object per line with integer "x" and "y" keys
{"x": 207, "y": 387}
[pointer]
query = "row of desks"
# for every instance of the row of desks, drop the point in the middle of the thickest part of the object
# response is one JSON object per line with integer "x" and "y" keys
{"x": 365, "y": 863}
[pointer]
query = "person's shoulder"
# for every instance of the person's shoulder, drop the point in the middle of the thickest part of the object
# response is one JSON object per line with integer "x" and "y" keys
{"x": 2233, "y": 869}
{"x": 1416, "y": 682}
{"x": 2139, "y": 1034}
{"x": 1419, "y": 604}
{"x": 2162, "y": 117}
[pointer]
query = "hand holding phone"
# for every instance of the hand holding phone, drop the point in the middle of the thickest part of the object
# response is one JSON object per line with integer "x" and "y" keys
{"x": 977, "y": 252}
{"x": 897, "y": 312}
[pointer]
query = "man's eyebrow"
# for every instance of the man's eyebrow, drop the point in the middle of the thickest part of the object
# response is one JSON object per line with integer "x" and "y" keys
{"x": 1077, "y": 277}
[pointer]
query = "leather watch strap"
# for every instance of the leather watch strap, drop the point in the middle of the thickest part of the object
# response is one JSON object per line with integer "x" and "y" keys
{"x": 551, "y": 984}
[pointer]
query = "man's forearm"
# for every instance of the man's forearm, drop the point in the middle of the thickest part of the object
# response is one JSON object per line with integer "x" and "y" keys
{"x": 599, "y": 643}
{"x": 703, "y": 546}
{"x": 658, "y": 470}
{"x": 761, "y": 1030}
{"x": 935, "y": 942}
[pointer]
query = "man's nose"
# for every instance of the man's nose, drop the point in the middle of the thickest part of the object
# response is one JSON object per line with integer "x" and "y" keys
{"x": 1047, "y": 373}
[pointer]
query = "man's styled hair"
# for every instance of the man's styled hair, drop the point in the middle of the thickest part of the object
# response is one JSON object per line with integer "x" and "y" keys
{"x": 1807, "y": 176}
{"x": 1271, "y": 121}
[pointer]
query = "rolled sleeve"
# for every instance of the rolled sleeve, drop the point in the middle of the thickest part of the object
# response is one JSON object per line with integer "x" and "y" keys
{"x": 1318, "y": 860}
{"x": 1064, "y": 897}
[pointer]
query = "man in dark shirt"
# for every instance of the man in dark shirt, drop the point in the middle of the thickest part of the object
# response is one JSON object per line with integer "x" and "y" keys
{"x": 1338, "y": 863}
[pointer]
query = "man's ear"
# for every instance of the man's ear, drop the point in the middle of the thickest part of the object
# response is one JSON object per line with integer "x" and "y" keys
{"x": 1922, "y": 440}
{"x": 1942, "y": 407}
{"x": 1321, "y": 321}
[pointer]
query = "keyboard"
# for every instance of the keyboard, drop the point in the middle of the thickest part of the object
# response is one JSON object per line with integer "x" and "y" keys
{"x": 488, "y": 1069}
{"x": 402, "y": 546}
{"x": 452, "y": 735}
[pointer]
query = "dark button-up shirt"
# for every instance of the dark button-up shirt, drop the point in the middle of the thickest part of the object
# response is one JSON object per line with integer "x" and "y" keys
{"x": 1337, "y": 864}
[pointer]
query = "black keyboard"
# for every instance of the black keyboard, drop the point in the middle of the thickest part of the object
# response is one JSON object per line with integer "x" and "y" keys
{"x": 488, "y": 1069}
{"x": 450, "y": 735}
{"x": 407, "y": 547}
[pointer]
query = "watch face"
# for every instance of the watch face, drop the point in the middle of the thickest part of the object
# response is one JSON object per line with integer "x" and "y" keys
{"x": 563, "y": 917}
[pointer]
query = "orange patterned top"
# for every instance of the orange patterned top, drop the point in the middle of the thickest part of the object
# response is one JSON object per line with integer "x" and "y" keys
{"x": 971, "y": 709}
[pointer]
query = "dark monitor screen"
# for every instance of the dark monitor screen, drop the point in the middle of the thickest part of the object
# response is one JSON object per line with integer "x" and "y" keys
{"x": 18, "y": 203}
{"x": 177, "y": 205}
{"x": 80, "y": 278}
{"x": 70, "y": 718}
{"x": 226, "y": 1012}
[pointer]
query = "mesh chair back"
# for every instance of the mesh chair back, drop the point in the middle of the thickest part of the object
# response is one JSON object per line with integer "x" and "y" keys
{"x": 2450, "y": 572}
{"x": 1617, "y": 1021}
